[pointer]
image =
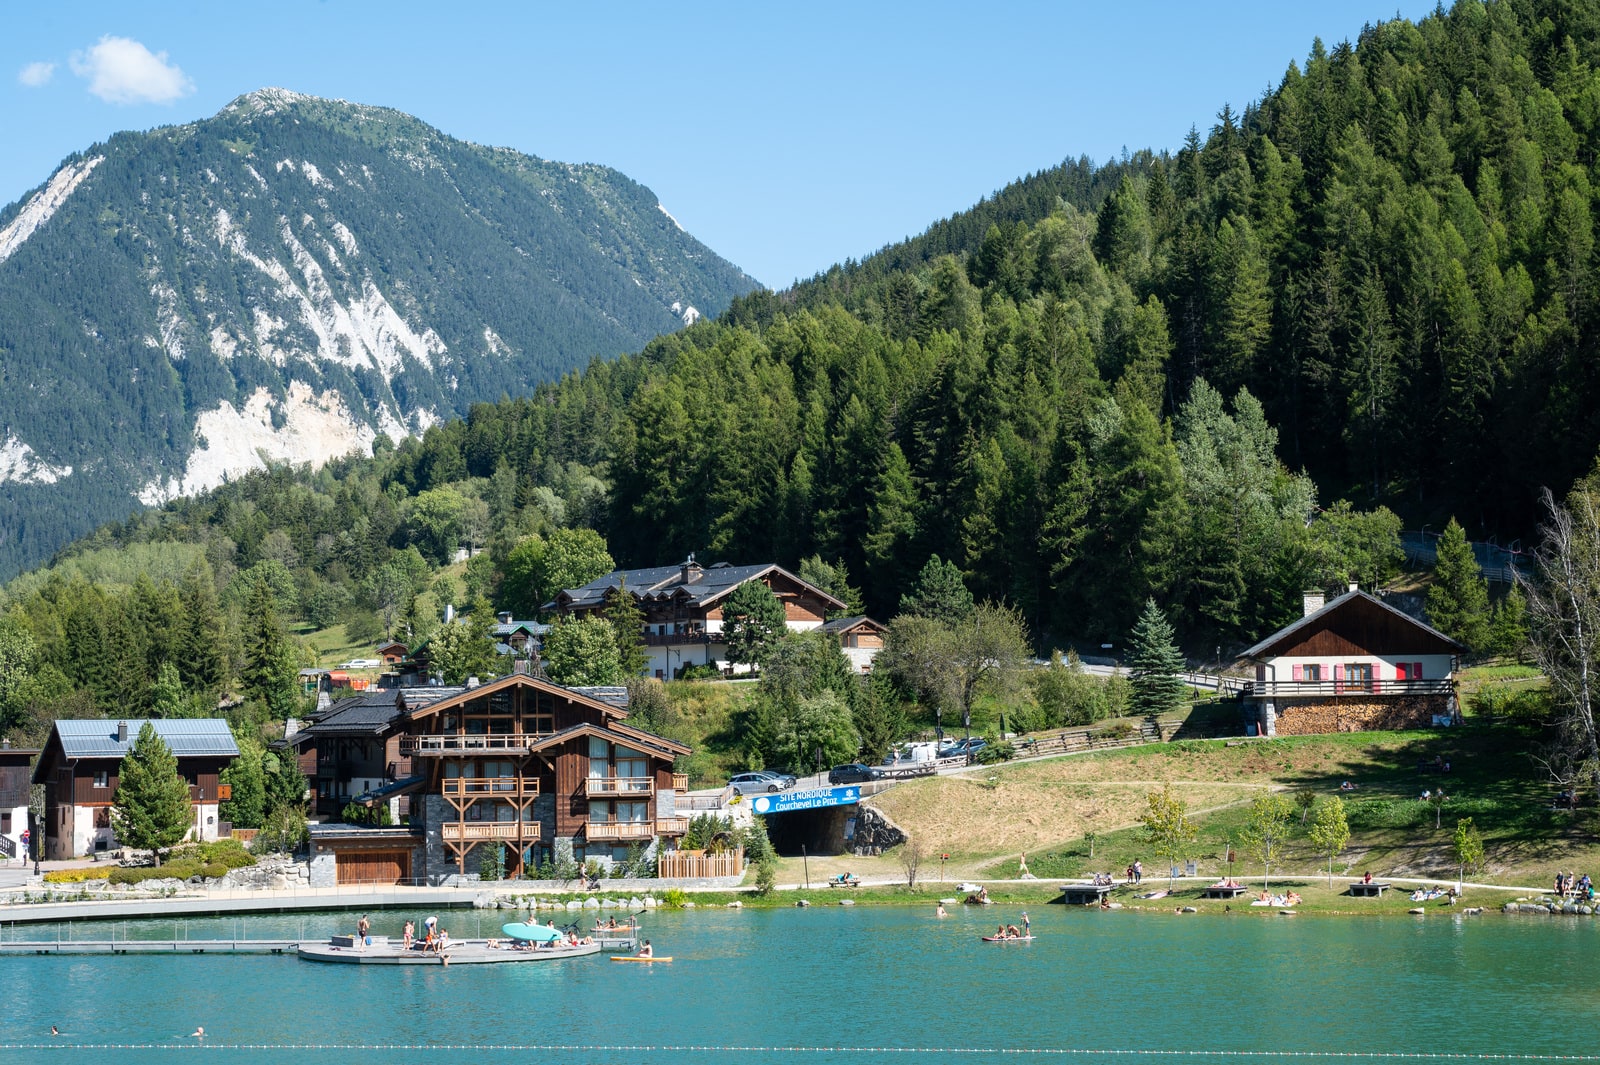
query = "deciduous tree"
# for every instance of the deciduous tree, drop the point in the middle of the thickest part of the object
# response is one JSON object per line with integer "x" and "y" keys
{"x": 1167, "y": 827}
{"x": 1330, "y": 831}
{"x": 1267, "y": 829}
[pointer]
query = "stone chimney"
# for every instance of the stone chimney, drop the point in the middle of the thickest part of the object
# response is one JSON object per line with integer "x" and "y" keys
{"x": 5, "y": 744}
{"x": 122, "y": 732}
{"x": 690, "y": 570}
{"x": 1312, "y": 600}
{"x": 472, "y": 682}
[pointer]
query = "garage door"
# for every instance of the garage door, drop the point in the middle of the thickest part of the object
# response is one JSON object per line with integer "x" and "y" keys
{"x": 374, "y": 867}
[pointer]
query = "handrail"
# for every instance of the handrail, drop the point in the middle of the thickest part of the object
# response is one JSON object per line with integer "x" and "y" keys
{"x": 1280, "y": 689}
{"x": 619, "y": 785}
{"x": 505, "y": 787}
{"x": 621, "y": 829}
{"x": 462, "y": 830}
{"x": 671, "y": 826}
{"x": 449, "y": 743}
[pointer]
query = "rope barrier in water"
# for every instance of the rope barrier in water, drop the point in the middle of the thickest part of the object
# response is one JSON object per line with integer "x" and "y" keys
{"x": 682, "y": 1048}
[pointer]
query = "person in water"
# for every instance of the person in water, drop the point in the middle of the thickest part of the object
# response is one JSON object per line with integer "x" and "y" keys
{"x": 939, "y": 911}
{"x": 198, "y": 1033}
{"x": 1026, "y": 925}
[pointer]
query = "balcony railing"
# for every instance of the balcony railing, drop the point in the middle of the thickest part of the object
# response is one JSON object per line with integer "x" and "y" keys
{"x": 678, "y": 639}
{"x": 671, "y": 826}
{"x": 680, "y": 782}
{"x": 1320, "y": 689}
{"x": 621, "y": 830}
{"x": 619, "y": 786}
{"x": 503, "y": 787}
{"x": 475, "y": 830}
{"x": 458, "y": 744}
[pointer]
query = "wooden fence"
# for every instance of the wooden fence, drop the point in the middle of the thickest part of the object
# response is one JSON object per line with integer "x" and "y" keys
{"x": 700, "y": 864}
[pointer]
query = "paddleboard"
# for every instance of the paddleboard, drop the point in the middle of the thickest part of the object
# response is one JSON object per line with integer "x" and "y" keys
{"x": 630, "y": 957}
{"x": 1006, "y": 939}
{"x": 531, "y": 933}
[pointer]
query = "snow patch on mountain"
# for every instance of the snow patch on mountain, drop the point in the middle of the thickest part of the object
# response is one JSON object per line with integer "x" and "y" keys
{"x": 20, "y": 464}
{"x": 44, "y": 203}
{"x": 231, "y": 441}
{"x": 662, "y": 208}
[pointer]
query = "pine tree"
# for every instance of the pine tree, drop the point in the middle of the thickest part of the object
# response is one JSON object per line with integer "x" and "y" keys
{"x": 152, "y": 808}
{"x": 269, "y": 673}
{"x": 1458, "y": 601}
{"x": 627, "y": 623}
{"x": 940, "y": 593}
{"x": 1155, "y": 663}
{"x": 752, "y": 621}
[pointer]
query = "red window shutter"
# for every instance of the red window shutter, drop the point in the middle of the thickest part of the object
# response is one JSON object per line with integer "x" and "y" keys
{"x": 1402, "y": 671}
{"x": 1338, "y": 671}
{"x": 1416, "y": 671}
{"x": 1298, "y": 674}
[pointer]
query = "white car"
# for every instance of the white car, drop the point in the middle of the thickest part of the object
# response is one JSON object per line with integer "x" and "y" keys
{"x": 759, "y": 782}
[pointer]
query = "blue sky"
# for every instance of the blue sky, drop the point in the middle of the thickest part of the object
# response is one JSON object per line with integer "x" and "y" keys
{"x": 787, "y": 137}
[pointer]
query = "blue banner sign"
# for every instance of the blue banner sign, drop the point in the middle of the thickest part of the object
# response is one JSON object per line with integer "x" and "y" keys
{"x": 785, "y": 801}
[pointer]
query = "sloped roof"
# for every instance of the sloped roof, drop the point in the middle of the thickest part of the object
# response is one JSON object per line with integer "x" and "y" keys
{"x": 362, "y": 714}
{"x": 1356, "y": 599}
{"x": 423, "y": 701}
{"x": 615, "y": 731}
{"x": 615, "y": 694}
{"x": 843, "y": 625}
{"x": 186, "y": 737}
{"x": 704, "y": 587}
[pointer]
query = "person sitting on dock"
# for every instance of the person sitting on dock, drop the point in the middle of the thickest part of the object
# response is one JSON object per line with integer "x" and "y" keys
{"x": 646, "y": 951}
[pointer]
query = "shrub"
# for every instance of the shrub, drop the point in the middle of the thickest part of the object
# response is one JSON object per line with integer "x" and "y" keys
{"x": 699, "y": 671}
{"x": 674, "y": 898}
{"x": 225, "y": 853}
{"x": 995, "y": 752}
{"x": 766, "y": 876}
{"x": 74, "y": 876}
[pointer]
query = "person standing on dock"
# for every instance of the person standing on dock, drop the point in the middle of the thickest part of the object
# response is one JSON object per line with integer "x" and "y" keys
{"x": 410, "y": 934}
{"x": 363, "y": 926}
{"x": 1026, "y": 925}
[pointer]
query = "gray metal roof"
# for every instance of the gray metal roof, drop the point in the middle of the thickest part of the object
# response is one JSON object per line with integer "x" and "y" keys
{"x": 704, "y": 586}
{"x": 614, "y": 694}
{"x": 187, "y": 737}
{"x": 846, "y": 624}
{"x": 365, "y": 714}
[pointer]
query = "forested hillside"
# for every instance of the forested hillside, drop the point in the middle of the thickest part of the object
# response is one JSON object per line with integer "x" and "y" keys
{"x": 295, "y": 275}
{"x": 1214, "y": 378}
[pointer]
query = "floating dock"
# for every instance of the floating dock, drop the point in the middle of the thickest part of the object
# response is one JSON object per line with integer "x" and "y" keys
{"x": 338, "y": 950}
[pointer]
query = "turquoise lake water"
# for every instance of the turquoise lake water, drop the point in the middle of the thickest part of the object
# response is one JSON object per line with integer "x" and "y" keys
{"x": 841, "y": 984}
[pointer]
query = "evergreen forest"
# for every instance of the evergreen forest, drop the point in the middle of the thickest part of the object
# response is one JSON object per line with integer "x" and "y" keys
{"x": 1211, "y": 378}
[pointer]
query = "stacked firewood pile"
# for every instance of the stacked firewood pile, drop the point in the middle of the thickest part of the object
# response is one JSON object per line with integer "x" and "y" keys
{"x": 1359, "y": 715}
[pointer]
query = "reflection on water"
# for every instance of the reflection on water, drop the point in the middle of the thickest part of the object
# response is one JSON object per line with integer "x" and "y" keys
{"x": 835, "y": 984}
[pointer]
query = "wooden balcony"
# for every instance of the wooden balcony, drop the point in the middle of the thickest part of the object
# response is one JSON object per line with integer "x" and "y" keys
{"x": 1323, "y": 689}
{"x": 680, "y": 639}
{"x": 467, "y": 831}
{"x": 499, "y": 787}
{"x": 671, "y": 826}
{"x": 601, "y": 786}
{"x": 680, "y": 782}
{"x": 499, "y": 742}
{"x": 626, "y": 830}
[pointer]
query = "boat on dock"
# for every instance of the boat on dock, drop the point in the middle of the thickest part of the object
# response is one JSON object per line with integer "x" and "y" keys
{"x": 459, "y": 952}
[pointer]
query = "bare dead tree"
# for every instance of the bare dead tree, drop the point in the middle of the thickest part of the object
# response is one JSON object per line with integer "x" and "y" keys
{"x": 911, "y": 855}
{"x": 1564, "y": 607}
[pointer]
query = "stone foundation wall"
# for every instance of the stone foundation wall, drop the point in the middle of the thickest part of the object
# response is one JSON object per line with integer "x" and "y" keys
{"x": 1359, "y": 714}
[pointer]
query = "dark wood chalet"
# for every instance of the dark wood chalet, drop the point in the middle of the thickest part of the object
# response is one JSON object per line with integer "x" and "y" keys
{"x": 16, "y": 768}
{"x": 78, "y": 768}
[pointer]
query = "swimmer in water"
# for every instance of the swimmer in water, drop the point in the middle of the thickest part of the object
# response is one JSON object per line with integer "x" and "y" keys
{"x": 198, "y": 1033}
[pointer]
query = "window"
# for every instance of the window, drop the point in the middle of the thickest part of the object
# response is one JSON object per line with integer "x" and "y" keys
{"x": 1312, "y": 673}
{"x": 633, "y": 813}
{"x": 5, "y": 822}
{"x": 102, "y": 778}
{"x": 1358, "y": 675}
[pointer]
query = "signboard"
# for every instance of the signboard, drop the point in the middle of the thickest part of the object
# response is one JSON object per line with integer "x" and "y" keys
{"x": 788, "y": 801}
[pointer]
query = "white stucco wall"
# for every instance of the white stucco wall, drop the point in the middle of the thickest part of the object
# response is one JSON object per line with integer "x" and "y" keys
{"x": 19, "y": 825}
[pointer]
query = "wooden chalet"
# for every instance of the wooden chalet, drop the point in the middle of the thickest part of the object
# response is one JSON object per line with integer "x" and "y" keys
{"x": 16, "y": 769}
{"x": 78, "y": 768}
{"x": 860, "y": 638}
{"x": 683, "y": 604}
{"x": 1351, "y": 664}
{"x": 521, "y": 762}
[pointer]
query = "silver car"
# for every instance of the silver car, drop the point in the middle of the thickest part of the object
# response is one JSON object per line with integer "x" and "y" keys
{"x": 759, "y": 782}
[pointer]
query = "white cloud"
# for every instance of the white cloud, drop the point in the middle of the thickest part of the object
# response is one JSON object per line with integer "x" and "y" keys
{"x": 36, "y": 74}
{"x": 123, "y": 71}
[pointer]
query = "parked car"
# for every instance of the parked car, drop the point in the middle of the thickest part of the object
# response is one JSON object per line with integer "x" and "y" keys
{"x": 854, "y": 773}
{"x": 963, "y": 748}
{"x": 759, "y": 782}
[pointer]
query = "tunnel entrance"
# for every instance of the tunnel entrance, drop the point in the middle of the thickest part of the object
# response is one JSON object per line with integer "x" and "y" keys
{"x": 822, "y": 831}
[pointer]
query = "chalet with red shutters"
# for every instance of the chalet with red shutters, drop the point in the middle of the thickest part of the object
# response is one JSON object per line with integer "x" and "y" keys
{"x": 682, "y": 607}
{"x": 1348, "y": 665}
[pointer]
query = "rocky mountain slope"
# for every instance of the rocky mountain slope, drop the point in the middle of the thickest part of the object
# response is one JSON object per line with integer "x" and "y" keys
{"x": 289, "y": 278}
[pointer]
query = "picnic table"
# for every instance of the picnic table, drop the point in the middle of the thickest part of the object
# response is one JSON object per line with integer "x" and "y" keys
{"x": 1225, "y": 891}
{"x": 1371, "y": 890}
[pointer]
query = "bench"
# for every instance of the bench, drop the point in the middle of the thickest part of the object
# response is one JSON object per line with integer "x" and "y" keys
{"x": 853, "y": 881}
{"x": 1373, "y": 890}
{"x": 1084, "y": 894}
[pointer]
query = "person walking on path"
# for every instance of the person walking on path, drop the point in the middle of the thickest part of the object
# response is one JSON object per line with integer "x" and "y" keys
{"x": 1138, "y": 870}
